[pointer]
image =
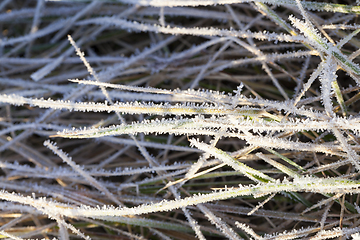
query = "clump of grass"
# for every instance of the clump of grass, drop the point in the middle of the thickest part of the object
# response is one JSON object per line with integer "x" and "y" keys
{"x": 179, "y": 119}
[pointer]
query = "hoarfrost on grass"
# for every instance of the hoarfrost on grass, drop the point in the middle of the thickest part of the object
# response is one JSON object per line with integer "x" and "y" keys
{"x": 155, "y": 106}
